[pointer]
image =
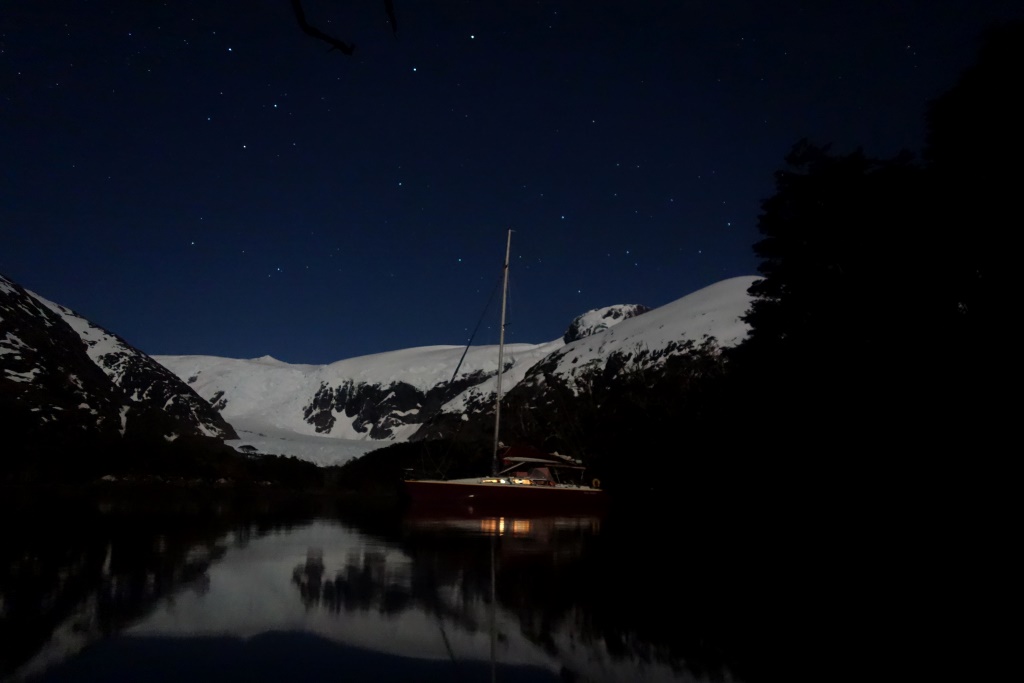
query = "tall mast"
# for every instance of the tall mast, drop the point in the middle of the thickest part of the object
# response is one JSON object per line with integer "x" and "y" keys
{"x": 501, "y": 355}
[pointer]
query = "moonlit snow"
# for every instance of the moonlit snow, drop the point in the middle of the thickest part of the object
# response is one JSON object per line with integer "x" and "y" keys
{"x": 264, "y": 398}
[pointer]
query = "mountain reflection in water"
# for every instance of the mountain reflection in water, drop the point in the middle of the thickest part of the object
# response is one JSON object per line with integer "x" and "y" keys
{"x": 149, "y": 597}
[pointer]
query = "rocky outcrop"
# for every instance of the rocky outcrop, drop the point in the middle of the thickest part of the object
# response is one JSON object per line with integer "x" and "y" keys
{"x": 600, "y": 319}
{"x": 378, "y": 411}
{"x": 144, "y": 381}
{"x": 65, "y": 382}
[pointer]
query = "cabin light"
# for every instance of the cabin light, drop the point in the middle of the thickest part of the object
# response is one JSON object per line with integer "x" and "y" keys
{"x": 493, "y": 526}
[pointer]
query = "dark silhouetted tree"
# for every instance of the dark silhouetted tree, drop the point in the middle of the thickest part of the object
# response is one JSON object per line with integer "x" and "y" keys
{"x": 839, "y": 246}
{"x": 975, "y": 156}
{"x": 886, "y": 284}
{"x": 840, "y": 299}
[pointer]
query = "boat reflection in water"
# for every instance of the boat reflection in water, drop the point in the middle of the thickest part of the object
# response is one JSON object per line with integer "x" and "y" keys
{"x": 541, "y": 529}
{"x": 511, "y": 541}
{"x": 472, "y": 598}
{"x": 521, "y": 536}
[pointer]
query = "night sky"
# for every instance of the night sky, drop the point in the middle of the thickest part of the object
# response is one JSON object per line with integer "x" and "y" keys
{"x": 202, "y": 177}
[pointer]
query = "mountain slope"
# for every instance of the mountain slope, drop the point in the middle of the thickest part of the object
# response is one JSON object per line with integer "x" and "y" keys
{"x": 361, "y": 403}
{"x": 142, "y": 379}
{"x": 645, "y": 341}
{"x": 67, "y": 384}
{"x": 383, "y": 396}
{"x": 50, "y": 390}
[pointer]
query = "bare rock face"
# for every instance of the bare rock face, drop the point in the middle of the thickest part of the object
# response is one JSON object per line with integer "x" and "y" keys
{"x": 379, "y": 410}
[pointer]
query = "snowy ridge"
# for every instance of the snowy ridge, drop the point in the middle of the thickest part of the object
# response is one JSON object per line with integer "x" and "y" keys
{"x": 710, "y": 312}
{"x": 142, "y": 379}
{"x": 49, "y": 387}
{"x": 66, "y": 381}
{"x": 328, "y": 414}
{"x": 600, "y": 319}
{"x": 270, "y": 403}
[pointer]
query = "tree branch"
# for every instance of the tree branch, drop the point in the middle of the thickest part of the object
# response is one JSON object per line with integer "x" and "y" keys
{"x": 310, "y": 30}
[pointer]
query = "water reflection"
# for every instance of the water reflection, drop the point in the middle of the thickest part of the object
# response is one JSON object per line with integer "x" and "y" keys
{"x": 71, "y": 576}
{"x": 452, "y": 598}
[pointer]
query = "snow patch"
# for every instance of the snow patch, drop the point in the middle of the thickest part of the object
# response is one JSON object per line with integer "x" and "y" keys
{"x": 21, "y": 376}
{"x": 124, "y": 418}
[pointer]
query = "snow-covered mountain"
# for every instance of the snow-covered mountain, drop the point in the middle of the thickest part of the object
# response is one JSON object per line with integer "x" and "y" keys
{"x": 65, "y": 381}
{"x": 599, "y": 320}
{"x": 645, "y": 341}
{"x": 331, "y": 413}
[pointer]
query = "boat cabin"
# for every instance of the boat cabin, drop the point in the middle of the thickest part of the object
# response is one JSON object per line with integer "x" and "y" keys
{"x": 530, "y": 467}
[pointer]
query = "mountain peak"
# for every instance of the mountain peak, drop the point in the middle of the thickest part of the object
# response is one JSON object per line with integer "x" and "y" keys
{"x": 600, "y": 319}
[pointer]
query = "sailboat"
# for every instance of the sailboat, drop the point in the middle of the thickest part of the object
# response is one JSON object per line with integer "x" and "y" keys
{"x": 526, "y": 479}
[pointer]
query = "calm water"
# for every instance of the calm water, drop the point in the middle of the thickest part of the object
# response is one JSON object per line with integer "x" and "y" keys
{"x": 204, "y": 590}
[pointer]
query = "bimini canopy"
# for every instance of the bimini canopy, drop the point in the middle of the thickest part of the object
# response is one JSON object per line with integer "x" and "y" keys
{"x": 527, "y": 454}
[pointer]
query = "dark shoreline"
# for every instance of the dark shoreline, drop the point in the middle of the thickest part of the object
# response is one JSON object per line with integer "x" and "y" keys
{"x": 241, "y": 499}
